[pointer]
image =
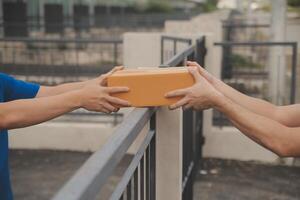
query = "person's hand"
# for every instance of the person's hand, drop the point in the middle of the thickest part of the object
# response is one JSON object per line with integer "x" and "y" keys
{"x": 210, "y": 78}
{"x": 200, "y": 96}
{"x": 94, "y": 97}
{"x": 102, "y": 79}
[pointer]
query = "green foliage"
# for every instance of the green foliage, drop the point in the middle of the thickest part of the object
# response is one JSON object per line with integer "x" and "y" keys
{"x": 295, "y": 3}
{"x": 242, "y": 62}
{"x": 158, "y": 7}
{"x": 210, "y": 5}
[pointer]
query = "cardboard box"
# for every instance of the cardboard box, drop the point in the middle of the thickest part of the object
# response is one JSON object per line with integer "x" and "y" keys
{"x": 149, "y": 86}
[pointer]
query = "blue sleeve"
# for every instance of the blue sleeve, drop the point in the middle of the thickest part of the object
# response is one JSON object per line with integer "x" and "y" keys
{"x": 15, "y": 89}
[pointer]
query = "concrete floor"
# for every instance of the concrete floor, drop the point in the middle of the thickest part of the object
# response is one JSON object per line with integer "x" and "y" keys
{"x": 235, "y": 180}
{"x": 37, "y": 175}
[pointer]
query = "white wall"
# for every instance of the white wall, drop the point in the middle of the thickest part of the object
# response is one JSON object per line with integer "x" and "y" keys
{"x": 61, "y": 136}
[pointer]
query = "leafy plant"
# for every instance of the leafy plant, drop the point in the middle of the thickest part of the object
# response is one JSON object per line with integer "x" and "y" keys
{"x": 158, "y": 7}
{"x": 243, "y": 62}
{"x": 210, "y": 5}
{"x": 295, "y": 3}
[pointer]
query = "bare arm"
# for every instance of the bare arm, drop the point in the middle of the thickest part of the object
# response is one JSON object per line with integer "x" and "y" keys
{"x": 22, "y": 113}
{"x": 46, "y": 91}
{"x": 286, "y": 115}
{"x": 280, "y": 139}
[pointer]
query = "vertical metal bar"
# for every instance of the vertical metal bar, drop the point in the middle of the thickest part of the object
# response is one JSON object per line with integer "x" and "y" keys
{"x": 77, "y": 63}
{"x": 174, "y": 47}
{"x": 153, "y": 159}
{"x": 136, "y": 184}
{"x": 148, "y": 173}
{"x": 115, "y": 53}
{"x": 162, "y": 50}
{"x": 142, "y": 181}
{"x": 294, "y": 75}
{"x": 152, "y": 168}
{"x": 129, "y": 190}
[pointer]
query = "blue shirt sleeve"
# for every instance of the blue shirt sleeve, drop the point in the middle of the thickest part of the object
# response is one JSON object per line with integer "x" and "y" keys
{"x": 15, "y": 89}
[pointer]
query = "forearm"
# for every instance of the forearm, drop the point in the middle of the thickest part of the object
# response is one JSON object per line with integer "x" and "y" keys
{"x": 269, "y": 133}
{"x": 46, "y": 91}
{"x": 22, "y": 113}
{"x": 255, "y": 105}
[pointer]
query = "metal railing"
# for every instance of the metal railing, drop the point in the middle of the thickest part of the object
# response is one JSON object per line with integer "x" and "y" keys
{"x": 93, "y": 174}
{"x": 86, "y": 25}
{"x": 139, "y": 179}
{"x": 168, "y": 53}
{"x": 246, "y": 68}
{"x": 192, "y": 121}
{"x": 239, "y": 28}
{"x": 54, "y": 61}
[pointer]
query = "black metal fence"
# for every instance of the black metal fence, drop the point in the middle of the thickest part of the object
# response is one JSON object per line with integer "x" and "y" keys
{"x": 240, "y": 28}
{"x": 241, "y": 31}
{"x": 170, "y": 46}
{"x": 54, "y": 61}
{"x": 193, "y": 139}
{"x": 139, "y": 179}
{"x": 17, "y": 22}
{"x": 246, "y": 67}
{"x": 140, "y": 174}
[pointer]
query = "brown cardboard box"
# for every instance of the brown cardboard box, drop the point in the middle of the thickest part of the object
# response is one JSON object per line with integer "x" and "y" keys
{"x": 149, "y": 86}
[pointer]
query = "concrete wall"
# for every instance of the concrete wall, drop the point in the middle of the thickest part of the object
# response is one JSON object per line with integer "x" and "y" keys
{"x": 61, "y": 136}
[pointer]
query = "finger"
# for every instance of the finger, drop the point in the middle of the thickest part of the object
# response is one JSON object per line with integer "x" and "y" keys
{"x": 117, "y": 109}
{"x": 195, "y": 64}
{"x": 179, "y": 103}
{"x": 187, "y": 106}
{"x": 108, "y": 107}
{"x": 104, "y": 76}
{"x": 112, "y": 90}
{"x": 175, "y": 93}
{"x": 195, "y": 73}
{"x": 102, "y": 109}
{"x": 117, "y": 101}
{"x": 115, "y": 69}
{"x": 192, "y": 63}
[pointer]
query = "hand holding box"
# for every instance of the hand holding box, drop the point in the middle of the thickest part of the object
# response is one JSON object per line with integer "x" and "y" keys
{"x": 149, "y": 86}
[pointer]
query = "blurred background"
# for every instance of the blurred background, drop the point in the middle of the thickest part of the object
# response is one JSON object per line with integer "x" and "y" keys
{"x": 252, "y": 45}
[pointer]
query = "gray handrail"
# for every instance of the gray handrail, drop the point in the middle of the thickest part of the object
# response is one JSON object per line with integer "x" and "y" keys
{"x": 178, "y": 39}
{"x": 180, "y": 56}
{"x": 93, "y": 174}
{"x": 132, "y": 167}
{"x": 62, "y": 40}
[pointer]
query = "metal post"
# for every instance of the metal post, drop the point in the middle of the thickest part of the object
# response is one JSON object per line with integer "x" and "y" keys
{"x": 277, "y": 57}
{"x": 70, "y": 14}
{"x": 91, "y": 13}
{"x": 294, "y": 74}
{"x": 153, "y": 159}
{"x": 162, "y": 50}
{"x": 1, "y": 19}
{"x": 115, "y": 53}
{"x": 41, "y": 15}
{"x": 174, "y": 47}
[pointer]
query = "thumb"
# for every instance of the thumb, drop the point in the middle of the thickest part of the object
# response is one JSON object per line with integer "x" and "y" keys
{"x": 115, "y": 69}
{"x": 195, "y": 73}
{"x": 105, "y": 76}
